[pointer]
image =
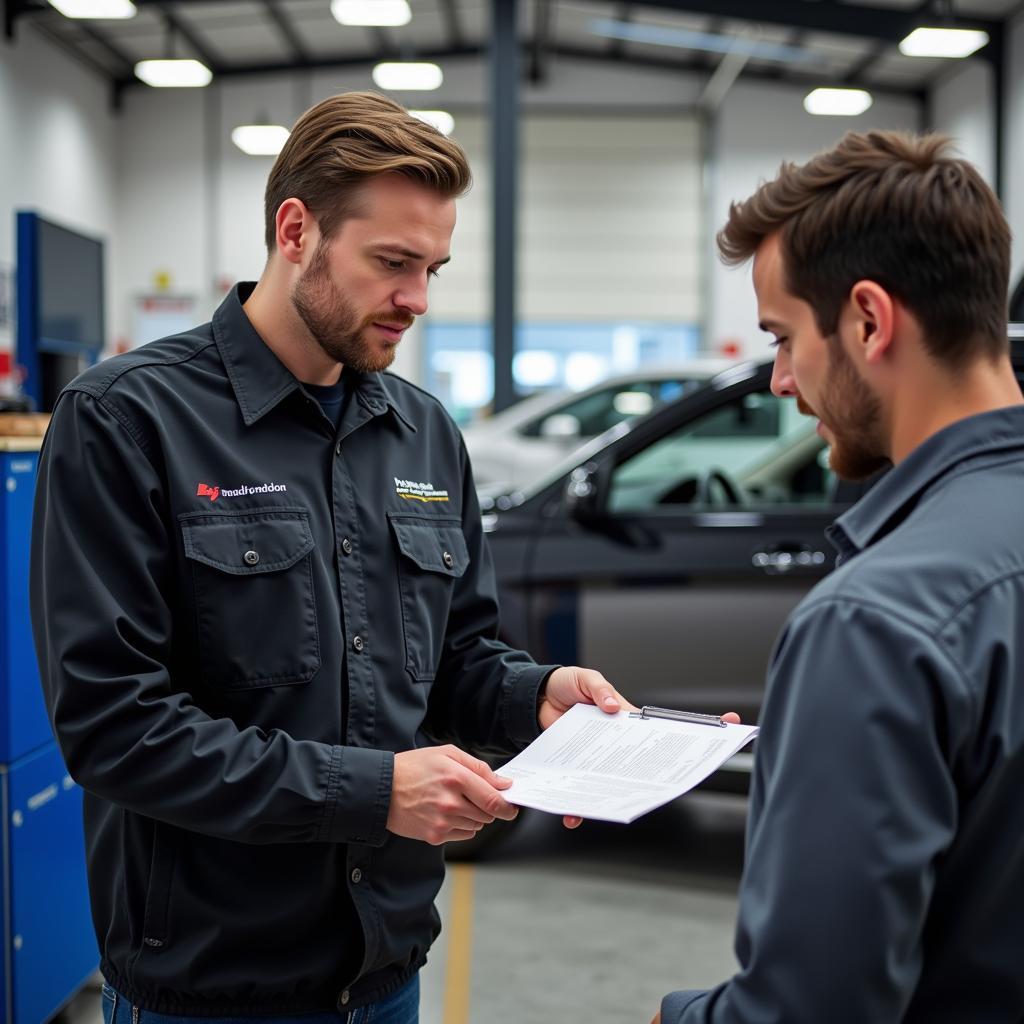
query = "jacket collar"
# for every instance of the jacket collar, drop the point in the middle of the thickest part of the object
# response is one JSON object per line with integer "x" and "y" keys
{"x": 892, "y": 498}
{"x": 260, "y": 380}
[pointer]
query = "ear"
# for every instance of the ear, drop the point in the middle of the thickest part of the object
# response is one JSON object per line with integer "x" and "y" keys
{"x": 874, "y": 314}
{"x": 296, "y": 230}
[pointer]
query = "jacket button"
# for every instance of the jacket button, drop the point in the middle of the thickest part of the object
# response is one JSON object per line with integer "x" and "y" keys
{"x": 357, "y": 875}
{"x": 344, "y": 998}
{"x": 346, "y": 546}
{"x": 251, "y": 557}
{"x": 357, "y": 643}
{"x": 337, "y": 450}
{"x": 447, "y": 559}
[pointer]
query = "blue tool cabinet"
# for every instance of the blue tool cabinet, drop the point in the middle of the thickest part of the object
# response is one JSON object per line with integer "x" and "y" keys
{"x": 49, "y": 944}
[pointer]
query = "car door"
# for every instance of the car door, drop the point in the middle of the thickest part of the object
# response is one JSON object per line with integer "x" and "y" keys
{"x": 677, "y": 554}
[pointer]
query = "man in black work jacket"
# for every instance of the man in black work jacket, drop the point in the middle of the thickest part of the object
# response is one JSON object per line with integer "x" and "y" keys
{"x": 261, "y": 599}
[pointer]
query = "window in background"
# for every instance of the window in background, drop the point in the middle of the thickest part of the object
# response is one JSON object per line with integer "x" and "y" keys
{"x": 459, "y": 365}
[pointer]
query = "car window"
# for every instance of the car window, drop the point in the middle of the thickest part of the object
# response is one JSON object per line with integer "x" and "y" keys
{"x": 753, "y": 452}
{"x": 595, "y": 413}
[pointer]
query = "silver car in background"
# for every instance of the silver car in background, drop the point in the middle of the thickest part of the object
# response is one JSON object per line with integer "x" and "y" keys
{"x": 519, "y": 445}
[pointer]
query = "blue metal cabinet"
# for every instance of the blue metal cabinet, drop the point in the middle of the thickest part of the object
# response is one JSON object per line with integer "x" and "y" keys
{"x": 23, "y": 723}
{"x": 49, "y": 944}
{"x": 51, "y": 947}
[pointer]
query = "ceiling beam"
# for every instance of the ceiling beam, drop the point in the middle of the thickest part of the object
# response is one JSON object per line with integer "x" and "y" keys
{"x": 689, "y": 66}
{"x": 324, "y": 63}
{"x": 865, "y": 21}
{"x": 539, "y": 46}
{"x": 126, "y": 63}
{"x": 451, "y": 19}
{"x": 201, "y": 50}
{"x": 286, "y": 29}
{"x": 617, "y": 47}
{"x": 385, "y": 44}
{"x": 855, "y": 75}
{"x": 696, "y": 65}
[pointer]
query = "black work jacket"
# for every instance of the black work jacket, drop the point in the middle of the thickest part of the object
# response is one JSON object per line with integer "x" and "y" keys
{"x": 240, "y": 613}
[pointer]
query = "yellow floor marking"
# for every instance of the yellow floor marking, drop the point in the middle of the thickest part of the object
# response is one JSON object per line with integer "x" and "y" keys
{"x": 458, "y": 968}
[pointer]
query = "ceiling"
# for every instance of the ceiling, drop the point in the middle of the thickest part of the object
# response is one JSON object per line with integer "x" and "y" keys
{"x": 823, "y": 41}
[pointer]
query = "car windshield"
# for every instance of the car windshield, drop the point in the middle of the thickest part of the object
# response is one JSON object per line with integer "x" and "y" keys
{"x": 501, "y": 496}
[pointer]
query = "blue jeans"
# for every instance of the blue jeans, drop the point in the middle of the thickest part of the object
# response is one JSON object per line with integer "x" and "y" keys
{"x": 401, "y": 1007}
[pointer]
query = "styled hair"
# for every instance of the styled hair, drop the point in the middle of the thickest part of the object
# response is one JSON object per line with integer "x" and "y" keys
{"x": 896, "y": 209}
{"x": 345, "y": 140}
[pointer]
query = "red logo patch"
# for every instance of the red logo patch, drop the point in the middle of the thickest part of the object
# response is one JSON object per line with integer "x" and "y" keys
{"x": 206, "y": 491}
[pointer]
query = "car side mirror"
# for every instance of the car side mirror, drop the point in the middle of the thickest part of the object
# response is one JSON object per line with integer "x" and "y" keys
{"x": 583, "y": 493}
{"x": 560, "y": 425}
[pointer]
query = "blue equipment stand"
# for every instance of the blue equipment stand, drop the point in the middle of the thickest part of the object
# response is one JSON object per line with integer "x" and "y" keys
{"x": 49, "y": 943}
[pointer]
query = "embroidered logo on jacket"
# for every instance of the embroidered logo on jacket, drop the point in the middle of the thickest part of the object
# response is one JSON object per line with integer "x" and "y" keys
{"x": 213, "y": 493}
{"x": 412, "y": 490}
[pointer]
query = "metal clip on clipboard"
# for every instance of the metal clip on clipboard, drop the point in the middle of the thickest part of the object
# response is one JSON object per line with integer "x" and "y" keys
{"x": 648, "y": 711}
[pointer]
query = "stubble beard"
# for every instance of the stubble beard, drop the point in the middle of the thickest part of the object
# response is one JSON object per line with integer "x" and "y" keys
{"x": 853, "y": 415}
{"x": 333, "y": 322}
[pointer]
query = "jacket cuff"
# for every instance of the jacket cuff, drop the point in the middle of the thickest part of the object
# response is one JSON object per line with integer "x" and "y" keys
{"x": 675, "y": 1003}
{"x": 358, "y": 796}
{"x": 520, "y": 704}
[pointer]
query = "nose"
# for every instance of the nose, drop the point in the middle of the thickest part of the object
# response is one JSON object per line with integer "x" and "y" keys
{"x": 783, "y": 385}
{"x": 412, "y": 296}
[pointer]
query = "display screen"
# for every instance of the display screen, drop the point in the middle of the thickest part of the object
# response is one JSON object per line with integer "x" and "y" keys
{"x": 70, "y": 281}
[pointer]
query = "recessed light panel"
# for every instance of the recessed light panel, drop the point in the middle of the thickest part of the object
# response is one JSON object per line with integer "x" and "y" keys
{"x": 837, "y": 102}
{"x": 943, "y": 42}
{"x": 174, "y": 74}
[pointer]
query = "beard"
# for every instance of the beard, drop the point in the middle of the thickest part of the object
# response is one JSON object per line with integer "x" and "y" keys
{"x": 334, "y": 323}
{"x": 853, "y": 414}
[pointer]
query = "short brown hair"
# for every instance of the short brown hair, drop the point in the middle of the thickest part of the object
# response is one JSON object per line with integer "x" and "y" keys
{"x": 893, "y": 208}
{"x": 341, "y": 142}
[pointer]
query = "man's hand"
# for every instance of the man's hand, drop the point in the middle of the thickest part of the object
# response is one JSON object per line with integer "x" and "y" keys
{"x": 572, "y": 685}
{"x": 442, "y": 794}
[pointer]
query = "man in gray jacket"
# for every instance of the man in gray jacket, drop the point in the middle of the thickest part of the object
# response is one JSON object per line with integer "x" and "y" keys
{"x": 884, "y": 879}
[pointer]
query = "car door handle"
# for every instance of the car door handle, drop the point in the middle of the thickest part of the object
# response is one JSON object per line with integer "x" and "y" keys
{"x": 782, "y": 560}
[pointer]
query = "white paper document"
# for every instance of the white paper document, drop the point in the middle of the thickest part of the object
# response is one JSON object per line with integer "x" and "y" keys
{"x": 614, "y": 767}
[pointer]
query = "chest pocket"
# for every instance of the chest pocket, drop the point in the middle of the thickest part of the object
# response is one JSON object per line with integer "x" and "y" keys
{"x": 254, "y": 601}
{"x": 432, "y": 554}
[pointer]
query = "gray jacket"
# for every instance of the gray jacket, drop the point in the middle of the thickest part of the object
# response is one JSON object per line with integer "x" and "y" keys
{"x": 884, "y": 875}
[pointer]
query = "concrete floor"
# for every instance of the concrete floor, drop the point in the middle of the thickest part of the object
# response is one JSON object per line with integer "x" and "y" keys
{"x": 594, "y": 925}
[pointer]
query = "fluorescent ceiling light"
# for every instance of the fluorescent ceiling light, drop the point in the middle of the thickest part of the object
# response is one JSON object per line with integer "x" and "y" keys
{"x": 173, "y": 74}
{"x": 407, "y": 76}
{"x": 943, "y": 42}
{"x": 371, "y": 12}
{"x": 260, "y": 139}
{"x": 837, "y": 102}
{"x": 95, "y": 8}
{"x": 440, "y": 119}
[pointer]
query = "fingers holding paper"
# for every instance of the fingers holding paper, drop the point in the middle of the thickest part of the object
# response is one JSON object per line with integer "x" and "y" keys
{"x": 571, "y": 685}
{"x": 442, "y": 794}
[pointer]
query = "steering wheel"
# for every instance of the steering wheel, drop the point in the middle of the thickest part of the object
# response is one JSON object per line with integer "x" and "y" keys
{"x": 716, "y": 480}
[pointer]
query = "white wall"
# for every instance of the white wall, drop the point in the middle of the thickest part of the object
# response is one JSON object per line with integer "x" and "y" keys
{"x": 962, "y": 107}
{"x": 59, "y": 148}
{"x": 759, "y": 126}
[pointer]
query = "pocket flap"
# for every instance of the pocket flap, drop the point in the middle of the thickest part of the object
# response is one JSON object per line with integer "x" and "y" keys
{"x": 432, "y": 545}
{"x": 248, "y": 543}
